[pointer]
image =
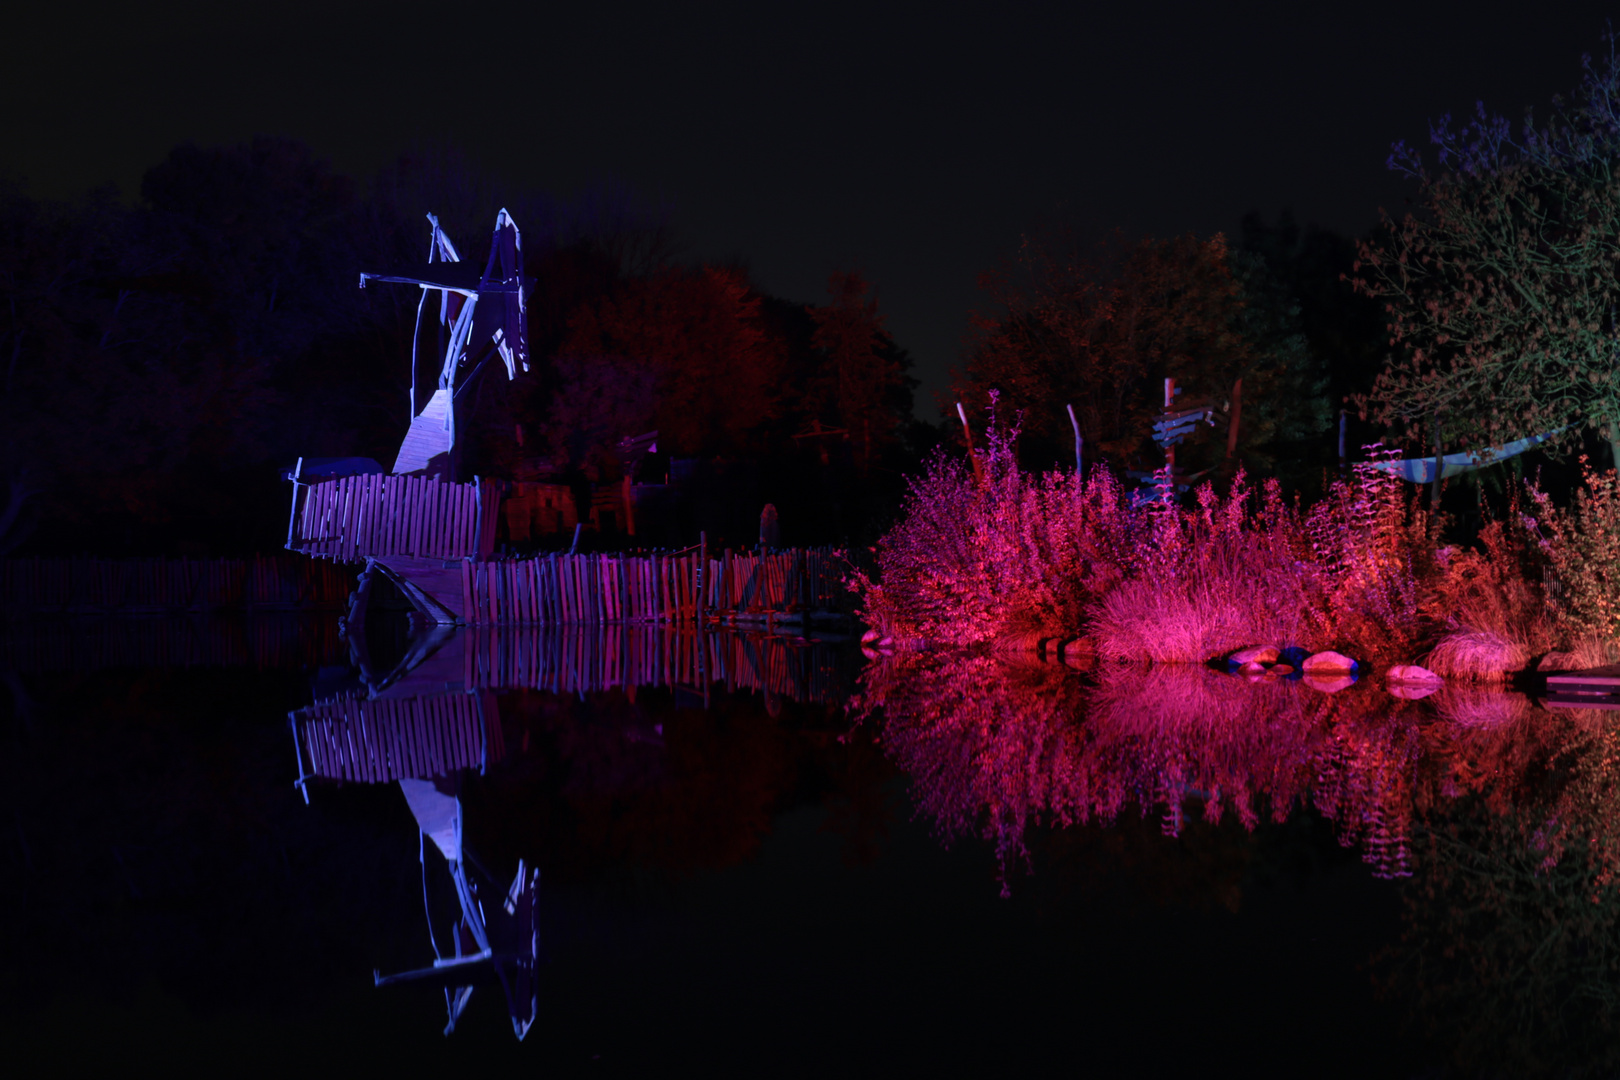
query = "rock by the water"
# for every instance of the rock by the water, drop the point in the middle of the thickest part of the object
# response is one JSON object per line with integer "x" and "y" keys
{"x": 1328, "y": 662}
{"x": 1408, "y": 691}
{"x": 871, "y": 636}
{"x": 1558, "y": 661}
{"x": 1254, "y": 654}
{"x": 1253, "y": 667}
{"x": 1080, "y": 654}
{"x": 1329, "y": 682}
{"x": 1413, "y": 674}
{"x": 1281, "y": 669}
{"x": 1293, "y": 656}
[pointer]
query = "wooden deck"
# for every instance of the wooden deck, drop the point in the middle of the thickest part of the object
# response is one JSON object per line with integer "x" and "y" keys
{"x": 1591, "y": 688}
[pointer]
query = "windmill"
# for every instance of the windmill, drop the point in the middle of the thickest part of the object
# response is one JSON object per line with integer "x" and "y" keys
{"x": 480, "y": 316}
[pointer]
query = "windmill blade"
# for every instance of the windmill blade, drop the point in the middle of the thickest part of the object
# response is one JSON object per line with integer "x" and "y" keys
{"x": 503, "y": 283}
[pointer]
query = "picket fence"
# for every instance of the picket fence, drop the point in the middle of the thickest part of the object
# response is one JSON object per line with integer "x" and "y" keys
{"x": 378, "y": 740}
{"x": 353, "y": 517}
{"x": 681, "y": 587}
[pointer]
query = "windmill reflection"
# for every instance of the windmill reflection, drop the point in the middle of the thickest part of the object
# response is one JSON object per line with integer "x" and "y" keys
{"x": 433, "y": 718}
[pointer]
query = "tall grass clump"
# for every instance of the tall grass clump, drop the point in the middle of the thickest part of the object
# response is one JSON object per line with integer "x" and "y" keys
{"x": 1489, "y": 605}
{"x": 974, "y": 560}
{"x": 1246, "y": 568}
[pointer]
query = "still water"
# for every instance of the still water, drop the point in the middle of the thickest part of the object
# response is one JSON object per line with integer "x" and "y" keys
{"x": 646, "y": 850}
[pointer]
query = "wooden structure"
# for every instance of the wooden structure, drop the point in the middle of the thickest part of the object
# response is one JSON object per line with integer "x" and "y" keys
{"x": 353, "y": 518}
{"x": 356, "y": 738}
{"x": 435, "y": 541}
{"x": 1593, "y": 688}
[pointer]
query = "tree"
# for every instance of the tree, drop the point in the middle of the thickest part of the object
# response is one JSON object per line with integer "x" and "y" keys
{"x": 716, "y": 367}
{"x": 856, "y": 387}
{"x": 1101, "y": 329}
{"x": 1500, "y": 287}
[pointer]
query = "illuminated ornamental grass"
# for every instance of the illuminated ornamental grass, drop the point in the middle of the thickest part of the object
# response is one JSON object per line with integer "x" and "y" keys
{"x": 984, "y": 562}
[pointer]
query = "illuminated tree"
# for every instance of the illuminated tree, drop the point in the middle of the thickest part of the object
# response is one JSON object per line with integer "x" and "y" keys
{"x": 1500, "y": 286}
{"x": 1101, "y": 330}
{"x": 717, "y": 368}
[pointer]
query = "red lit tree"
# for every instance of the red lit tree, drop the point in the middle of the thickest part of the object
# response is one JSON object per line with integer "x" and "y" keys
{"x": 716, "y": 368}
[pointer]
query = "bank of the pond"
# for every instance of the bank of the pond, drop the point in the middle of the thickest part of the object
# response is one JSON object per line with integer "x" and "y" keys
{"x": 1016, "y": 562}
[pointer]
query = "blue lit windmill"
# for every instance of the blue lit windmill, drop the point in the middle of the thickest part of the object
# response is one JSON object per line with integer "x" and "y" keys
{"x": 479, "y": 316}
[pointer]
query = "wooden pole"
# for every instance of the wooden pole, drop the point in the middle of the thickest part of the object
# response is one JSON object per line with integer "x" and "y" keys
{"x": 967, "y": 433}
{"x": 1237, "y": 418}
{"x": 1344, "y": 465}
{"x": 1170, "y": 448}
{"x": 1439, "y": 466}
{"x": 1079, "y": 444}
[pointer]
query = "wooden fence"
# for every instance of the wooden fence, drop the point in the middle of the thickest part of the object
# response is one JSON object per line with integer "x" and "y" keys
{"x": 580, "y": 660}
{"x": 564, "y": 589}
{"x": 264, "y": 641}
{"x": 383, "y": 739}
{"x": 88, "y": 584}
{"x": 352, "y": 517}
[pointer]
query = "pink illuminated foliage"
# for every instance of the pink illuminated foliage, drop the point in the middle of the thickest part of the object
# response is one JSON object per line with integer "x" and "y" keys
{"x": 995, "y": 748}
{"x": 976, "y": 562}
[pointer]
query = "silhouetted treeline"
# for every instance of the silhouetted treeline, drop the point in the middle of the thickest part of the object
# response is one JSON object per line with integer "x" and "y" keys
{"x": 164, "y": 360}
{"x": 1100, "y": 323}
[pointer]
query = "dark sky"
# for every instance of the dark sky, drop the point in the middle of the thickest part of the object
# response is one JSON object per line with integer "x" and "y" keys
{"x": 912, "y": 141}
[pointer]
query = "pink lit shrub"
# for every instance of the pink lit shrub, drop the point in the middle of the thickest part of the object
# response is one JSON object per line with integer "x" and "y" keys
{"x": 972, "y": 563}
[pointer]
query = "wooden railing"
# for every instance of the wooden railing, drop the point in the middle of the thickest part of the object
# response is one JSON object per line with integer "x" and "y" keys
{"x": 377, "y": 740}
{"x": 355, "y": 517}
{"x": 590, "y": 659}
{"x": 561, "y": 589}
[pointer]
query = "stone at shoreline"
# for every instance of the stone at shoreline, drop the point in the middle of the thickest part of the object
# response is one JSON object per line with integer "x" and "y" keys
{"x": 1254, "y": 654}
{"x": 1080, "y": 654}
{"x": 1253, "y": 667}
{"x": 1329, "y": 682}
{"x": 871, "y": 636}
{"x": 1558, "y": 661}
{"x": 1413, "y": 674}
{"x": 1413, "y": 691}
{"x": 1281, "y": 669}
{"x": 1328, "y": 662}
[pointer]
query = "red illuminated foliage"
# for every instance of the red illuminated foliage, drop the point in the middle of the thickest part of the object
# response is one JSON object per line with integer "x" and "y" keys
{"x": 717, "y": 369}
{"x": 971, "y": 563}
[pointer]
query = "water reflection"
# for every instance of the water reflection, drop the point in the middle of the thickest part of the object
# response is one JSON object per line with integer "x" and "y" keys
{"x": 995, "y": 747}
{"x": 1503, "y": 814}
{"x": 432, "y": 719}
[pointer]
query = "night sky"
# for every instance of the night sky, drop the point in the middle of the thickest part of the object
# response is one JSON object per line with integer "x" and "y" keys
{"x": 915, "y": 142}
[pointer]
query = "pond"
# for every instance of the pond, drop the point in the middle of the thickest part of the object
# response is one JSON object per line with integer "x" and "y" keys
{"x": 769, "y": 853}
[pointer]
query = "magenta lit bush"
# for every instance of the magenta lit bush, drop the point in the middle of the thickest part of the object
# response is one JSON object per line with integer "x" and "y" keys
{"x": 977, "y": 561}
